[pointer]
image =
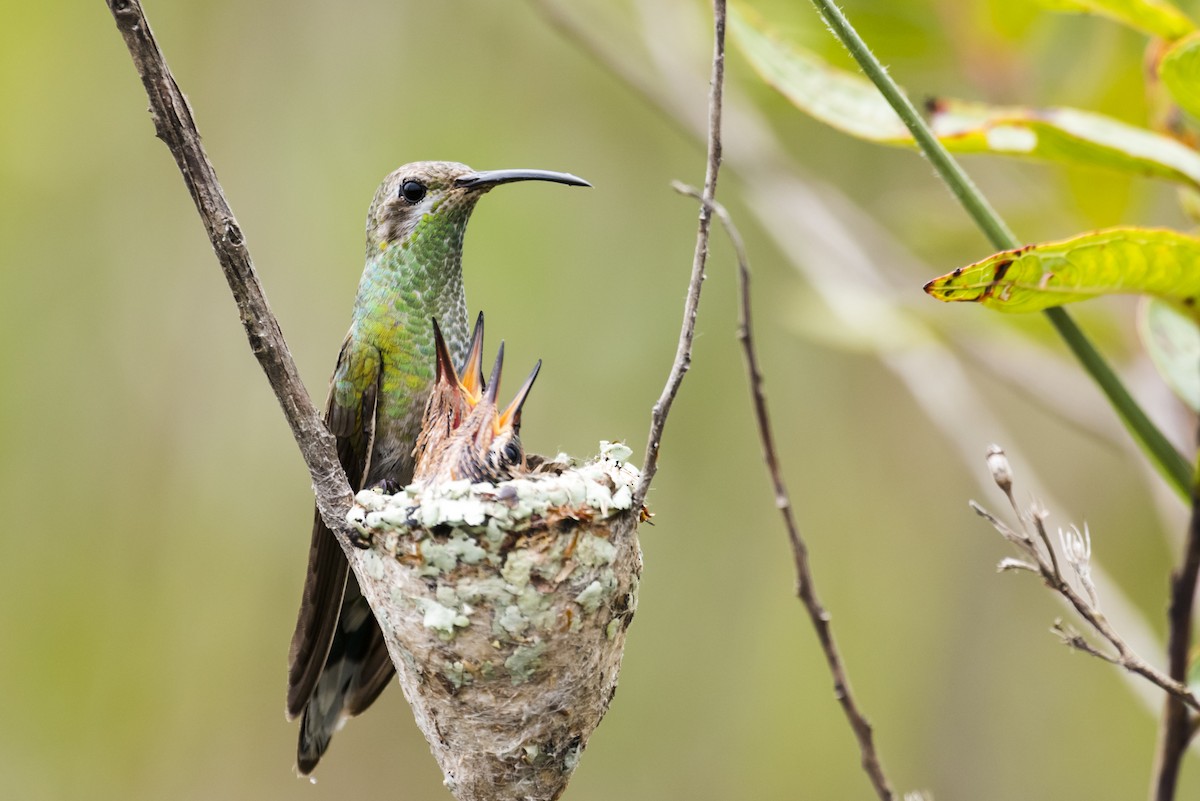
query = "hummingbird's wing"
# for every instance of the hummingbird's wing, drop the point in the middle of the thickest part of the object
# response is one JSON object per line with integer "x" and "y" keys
{"x": 350, "y": 415}
{"x": 375, "y": 674}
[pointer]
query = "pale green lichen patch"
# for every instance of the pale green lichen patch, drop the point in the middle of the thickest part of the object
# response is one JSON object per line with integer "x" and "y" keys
{"x": 589, "y": 598}
{"x": 491, "y": 590}
{"x": 444, "y": 556}
{"x": 512, "y": 621}
{"x": 517, "y": 568}
{"x": 524, "y": 661}
{"x": 537, "y": 607}
{"x": 457, "y": 674}
{"x": 373, "y": 564}
{"x": 594, "y": 490}
{"x": 442, "y": 619}
{"x": 615, "y": 451}
{"x": 594, "y": 551}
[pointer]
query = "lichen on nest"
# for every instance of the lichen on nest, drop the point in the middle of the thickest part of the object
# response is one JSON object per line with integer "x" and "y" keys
{"x": 505, "y": 608}
{"x": 555, "y": 490}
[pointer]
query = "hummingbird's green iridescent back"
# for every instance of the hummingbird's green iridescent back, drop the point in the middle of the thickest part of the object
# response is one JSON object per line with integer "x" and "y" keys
{"x": 338, "y": 663}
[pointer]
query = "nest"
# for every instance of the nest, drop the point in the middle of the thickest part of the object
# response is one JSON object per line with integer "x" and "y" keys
{"x": 505, "y": 608}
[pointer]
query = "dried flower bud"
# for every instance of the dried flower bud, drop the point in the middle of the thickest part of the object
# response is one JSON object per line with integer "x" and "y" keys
{"x": 1009, "y": 563}
{"x": 997, "y": 462}
{"x": 1077, "y": 548}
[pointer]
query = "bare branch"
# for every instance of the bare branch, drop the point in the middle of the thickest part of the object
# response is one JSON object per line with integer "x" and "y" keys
{"x": 1073, "y": 639}
{"x": 683, "y": 353}
{"x": 175, "y": 126}
{"x": 1077, "y": 548}
{"x": 1178, "y": 725}
{"x": 805, "y": 586}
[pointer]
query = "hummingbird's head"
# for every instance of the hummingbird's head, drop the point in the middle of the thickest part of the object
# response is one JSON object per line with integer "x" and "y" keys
{"x": 444, "y": 191}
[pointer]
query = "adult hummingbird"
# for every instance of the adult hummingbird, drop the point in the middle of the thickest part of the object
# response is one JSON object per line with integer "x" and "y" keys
{"x": 338, "y": 662}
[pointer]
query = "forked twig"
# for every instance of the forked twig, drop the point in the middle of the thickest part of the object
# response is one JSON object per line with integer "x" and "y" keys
{"x": 683, "y": 353}
{"x": 1037, "y": 556}
{"x": 805, "y": 586}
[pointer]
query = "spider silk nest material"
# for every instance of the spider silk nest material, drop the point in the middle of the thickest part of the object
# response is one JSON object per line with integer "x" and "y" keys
{"x": 505, "y": 608}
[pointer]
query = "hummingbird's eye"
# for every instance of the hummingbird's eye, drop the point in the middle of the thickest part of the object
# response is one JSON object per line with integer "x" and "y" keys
{"x": 412, "y": 191}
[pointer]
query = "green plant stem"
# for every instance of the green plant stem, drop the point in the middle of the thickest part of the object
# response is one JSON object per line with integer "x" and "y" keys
{"x": 1169, "y": 462}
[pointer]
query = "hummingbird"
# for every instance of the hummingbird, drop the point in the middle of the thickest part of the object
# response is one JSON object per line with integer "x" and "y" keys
{"x": 464, "y": 434}
{"x": 338, "y": 662}
{"x": 453, "y": 394}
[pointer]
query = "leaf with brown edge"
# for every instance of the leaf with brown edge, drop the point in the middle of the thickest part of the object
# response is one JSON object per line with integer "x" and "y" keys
{"x": 1149, "y": 261}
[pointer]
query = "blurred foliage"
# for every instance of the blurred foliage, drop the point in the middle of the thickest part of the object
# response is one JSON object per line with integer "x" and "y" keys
{"x": 158, "y": 511}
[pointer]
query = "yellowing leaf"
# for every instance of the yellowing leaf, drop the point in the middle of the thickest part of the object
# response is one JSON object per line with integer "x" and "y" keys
{"x": 1173, "y": 342}
{"x": 1156, "y": 17}
{"x": 1151, "y": 261}
{"x": 1063, "y": 135}
{"x": 1180, "y": 73}
{"x": 852, "y": 104}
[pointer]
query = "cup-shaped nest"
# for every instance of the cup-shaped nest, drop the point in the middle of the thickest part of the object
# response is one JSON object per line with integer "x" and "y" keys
{"x": 505, "y": 608}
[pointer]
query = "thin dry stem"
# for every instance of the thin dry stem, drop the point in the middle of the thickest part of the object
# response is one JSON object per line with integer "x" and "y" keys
{"x": 1032, "y": 541}
{"x": 805, "y": 585}
{"x": 1178, "y": 724}
{"x": 1074, "y": 639}
{"x": 683, "y": 353}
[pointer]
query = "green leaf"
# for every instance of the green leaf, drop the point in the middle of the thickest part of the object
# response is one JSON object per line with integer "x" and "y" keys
{"x": 1063, "y": 135}
{"x": 843, "y": 100}
{"x": 1155, "y": 17}
{"x": 1173, "y": 342}
{"x": 1179, "y": 70}
{"x": 1150, "y": 261}
{"x": 853, "y": 105}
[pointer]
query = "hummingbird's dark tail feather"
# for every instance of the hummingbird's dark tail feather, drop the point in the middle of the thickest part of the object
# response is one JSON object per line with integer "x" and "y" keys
{"x": 328, "y": 572}
{"x": 352, "y": 678}
{"x": 374, "y": 675}
{"x": 312, "y": 745}
{"x": 317, "y": 619}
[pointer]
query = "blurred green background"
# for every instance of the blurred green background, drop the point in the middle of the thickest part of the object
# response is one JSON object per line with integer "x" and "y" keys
{"x": 157, "y": 510}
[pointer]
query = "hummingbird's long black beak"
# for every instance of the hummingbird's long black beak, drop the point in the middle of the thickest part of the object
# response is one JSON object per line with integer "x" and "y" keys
{"x": 486, "y": 179}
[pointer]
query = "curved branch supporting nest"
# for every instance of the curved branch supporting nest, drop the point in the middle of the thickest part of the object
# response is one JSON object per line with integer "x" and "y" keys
{"x": 505, "y": 609}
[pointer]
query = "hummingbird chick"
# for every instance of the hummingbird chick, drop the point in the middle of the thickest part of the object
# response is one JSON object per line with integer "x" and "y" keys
{"x": 464, "y": 434}
{"x": 451, "y": 398}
